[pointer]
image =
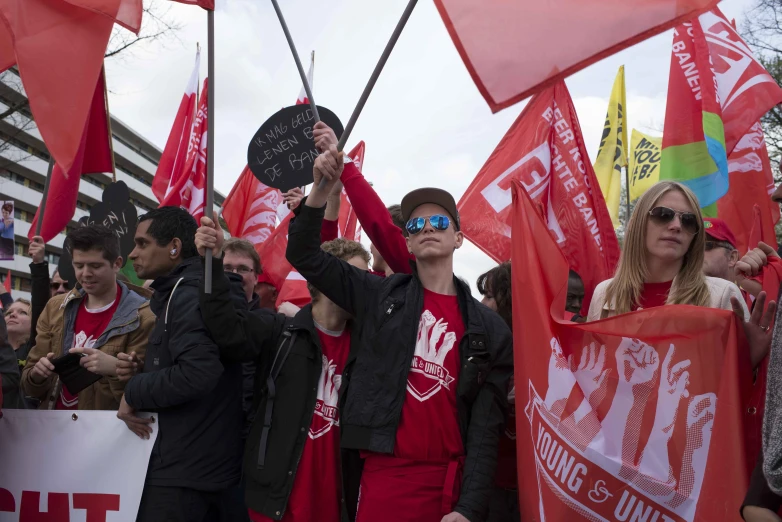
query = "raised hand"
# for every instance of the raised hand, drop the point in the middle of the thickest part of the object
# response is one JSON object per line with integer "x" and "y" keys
{"x": 590, "y": 373}
{"x": 37, "y": 250}
{"x": 328, "y": 166}
{"x": 293, "y": 197}
{"x": 324, "y": 136}
{"x": 757, "y": 329}
{"x": 560, "y": 379}
{"x": 637, "y": 362}
{"x": 209, "y": 236}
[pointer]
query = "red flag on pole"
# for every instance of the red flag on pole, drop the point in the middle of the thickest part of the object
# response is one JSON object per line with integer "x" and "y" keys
{"x": 58, "y": 47}
{"x": 172, "y": 160}
{"x": 250, "y": 210}
{"x": 275, "y": 266}
{"x": 302, "y": 99}
{"x": 94, "y": 156}
{"x": 188, "y": 188}
{"x": 544, "y": 150}
{"x": 349, "y": 226}
{"x": 7, "y": 282}
{"x": 206, "y": 4}
{"x": 636, "y": 417}
{"x": 514, "y": 49}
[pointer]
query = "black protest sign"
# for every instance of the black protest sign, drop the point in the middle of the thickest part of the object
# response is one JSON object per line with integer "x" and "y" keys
{"x": 116, "y": 213}
{"x": 282, "y": 152}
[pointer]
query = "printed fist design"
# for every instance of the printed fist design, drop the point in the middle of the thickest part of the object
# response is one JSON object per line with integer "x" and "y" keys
{"x": 637, "y": 362}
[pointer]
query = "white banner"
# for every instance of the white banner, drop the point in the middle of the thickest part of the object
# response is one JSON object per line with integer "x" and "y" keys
{"x": 58, "y": 469}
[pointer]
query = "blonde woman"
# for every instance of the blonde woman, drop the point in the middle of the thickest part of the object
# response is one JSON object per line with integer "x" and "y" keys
{"x": 662, "y": 259}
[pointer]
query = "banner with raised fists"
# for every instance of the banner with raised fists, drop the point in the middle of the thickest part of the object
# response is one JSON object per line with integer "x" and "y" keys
{"x": 635, "y": 417}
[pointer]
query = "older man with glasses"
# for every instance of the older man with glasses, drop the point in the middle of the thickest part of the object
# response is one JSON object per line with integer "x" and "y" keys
{"x": 721, "y": 255}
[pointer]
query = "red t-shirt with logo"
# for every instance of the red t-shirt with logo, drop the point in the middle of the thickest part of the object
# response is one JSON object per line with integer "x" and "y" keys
{"x": 429, "y": 426}
{"x": 88, "y": 327}
{"x": 317, "y": 487}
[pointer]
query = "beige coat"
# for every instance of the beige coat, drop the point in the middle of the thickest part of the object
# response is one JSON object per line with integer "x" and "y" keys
{"x": 721, "y": 291}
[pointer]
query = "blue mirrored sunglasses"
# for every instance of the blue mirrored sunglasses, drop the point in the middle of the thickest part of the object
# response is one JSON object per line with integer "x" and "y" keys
{"x": 438, "y": 222}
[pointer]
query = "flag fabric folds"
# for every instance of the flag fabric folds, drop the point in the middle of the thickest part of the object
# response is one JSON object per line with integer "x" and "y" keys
{"x": 93, "y": 156}
{"x": 514, "y": 49}
{"x": 644, "y": 169}
{"x": 188, "y": 189}
{"x": 349, "y": 227}
{"x": 302, "y": 99}
{"x": 612, "y": 155}
{"x": 206, "y": 4}
{"x": 58, "y": 47}
{"x": 250, "y": 210}
{"x": 545, "y": 151}
{"x": 636, "y": 417}
{"x": 172, "y": 160}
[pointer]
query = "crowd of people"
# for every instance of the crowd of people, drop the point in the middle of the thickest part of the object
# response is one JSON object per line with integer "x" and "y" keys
{"x": 389, "y": 397}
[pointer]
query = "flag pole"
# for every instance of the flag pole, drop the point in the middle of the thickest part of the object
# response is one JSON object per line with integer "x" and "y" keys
{"x": 108, "y": 124}
{"x": 303, "y": 75}
{"x": 627, "y": 189}
{"x": 42, "y": 207}
{"x": 210, "y": 143}
{"x": 375, "y": 74}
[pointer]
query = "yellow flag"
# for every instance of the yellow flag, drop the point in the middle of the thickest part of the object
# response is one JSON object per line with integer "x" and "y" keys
{"x": 612, "y": 156}
{"x": 644, "y": 170}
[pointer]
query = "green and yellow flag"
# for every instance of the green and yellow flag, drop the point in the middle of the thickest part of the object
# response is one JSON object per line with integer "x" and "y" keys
{"x": 612, "y": 156}
{"x": 644, "y": 170}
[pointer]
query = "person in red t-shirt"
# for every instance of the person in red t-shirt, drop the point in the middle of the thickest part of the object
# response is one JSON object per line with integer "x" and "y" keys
{"x": 292, "y": 473}
{"x": 99, "y": 319}
{"x": 427, "y": 392}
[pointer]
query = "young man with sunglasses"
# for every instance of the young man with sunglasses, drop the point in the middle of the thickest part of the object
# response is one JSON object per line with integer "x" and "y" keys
{"x": 425, "y": 398}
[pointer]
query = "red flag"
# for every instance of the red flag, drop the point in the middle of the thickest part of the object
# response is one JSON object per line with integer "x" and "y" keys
{"x": 188, "y": 188}
{"x": 294, "y": 291}
{"x": 94, "y": 156}
{"x": 172, "y": 160}
{"x": 745, "y": 88}
{"x": 514, "y": 49}
{"x": 751, "y": 183}
{"x": 59, "y": 47}
{"x": 7, "y": 282}
{"x": 250, "y": 210}
{"x": 544, "y": 149}
{"x": 272, "y": 253}
{"x": 302, "y": 99}
{"x": 349, "y": 226}
{"x": 636, "y": 417}
{"x": 206, "y": 4}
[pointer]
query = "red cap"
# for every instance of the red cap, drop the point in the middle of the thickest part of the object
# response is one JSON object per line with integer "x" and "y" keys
{"x": 719, "y": 230}
{"x": 263, "y": 278}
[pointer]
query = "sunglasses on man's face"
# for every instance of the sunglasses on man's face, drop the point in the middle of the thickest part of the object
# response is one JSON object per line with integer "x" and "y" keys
{"x": 57, "y": 286}
{"x": 438, "y": 222}
{"x": 711, "y": 245}
{"x": 664, "y": 215}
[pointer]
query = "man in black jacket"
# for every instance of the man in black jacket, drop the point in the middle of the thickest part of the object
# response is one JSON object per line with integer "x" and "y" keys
{"x": 196, "y": 396}
{"x": 292, "y": 473}
{"x": 423, "y": 412}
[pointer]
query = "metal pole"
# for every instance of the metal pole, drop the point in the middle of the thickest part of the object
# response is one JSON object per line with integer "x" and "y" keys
{"x": 45, "y": 196}
{"x": 298, "y": 61}
{"x": 627, "y": 185}
{"x": 108, "y": 124}
{"x": 376, "y": 73}
{"x": 210, "y": 144}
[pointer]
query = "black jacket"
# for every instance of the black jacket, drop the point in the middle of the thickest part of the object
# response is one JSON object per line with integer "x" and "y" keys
{"x": 389, "y": 310}
{"x": 197, "y": 396}
{"x": 10, "y": 374}
{"x": 259, "y": 336}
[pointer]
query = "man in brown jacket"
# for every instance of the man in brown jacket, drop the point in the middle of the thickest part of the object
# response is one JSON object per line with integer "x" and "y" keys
{"x": 98, "y": 319}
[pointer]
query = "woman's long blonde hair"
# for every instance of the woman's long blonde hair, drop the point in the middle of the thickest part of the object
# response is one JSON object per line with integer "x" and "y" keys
{"x": 689, "y": 285}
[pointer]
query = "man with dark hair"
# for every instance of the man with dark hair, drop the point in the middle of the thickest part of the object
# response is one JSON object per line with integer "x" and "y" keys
{"x": 427, "y": 392}
{"x": 293, "y": 473}
{"x": 575, "y": 296}
{"x": 197, "y": 398}
{"x": 99, "y": 319}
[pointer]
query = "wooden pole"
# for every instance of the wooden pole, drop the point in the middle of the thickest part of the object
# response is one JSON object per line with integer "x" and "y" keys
{"x": 210, "y": 144}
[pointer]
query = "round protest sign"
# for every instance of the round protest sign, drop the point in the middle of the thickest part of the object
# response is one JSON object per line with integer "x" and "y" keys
{"x": 282, "y": 152}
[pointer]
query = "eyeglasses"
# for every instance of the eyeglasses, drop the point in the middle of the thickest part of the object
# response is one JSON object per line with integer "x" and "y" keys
{"x": 438, "y": 222}
{"x": 711, "y": 245}
{"x": 664, "y": 215}
{"x": 57, "y": 286}
{"x": 241, "y": 269}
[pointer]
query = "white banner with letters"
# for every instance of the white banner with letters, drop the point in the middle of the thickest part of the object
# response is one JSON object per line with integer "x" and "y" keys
{"x": 63, "y": 466}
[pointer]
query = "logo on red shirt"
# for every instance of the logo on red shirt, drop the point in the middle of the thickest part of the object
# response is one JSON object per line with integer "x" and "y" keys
{"x": 326, "y": 411}
{"x": 428, "y": 374}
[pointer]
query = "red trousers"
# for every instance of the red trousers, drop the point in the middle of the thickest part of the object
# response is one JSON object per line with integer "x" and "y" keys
{"x": 394, "y": 489}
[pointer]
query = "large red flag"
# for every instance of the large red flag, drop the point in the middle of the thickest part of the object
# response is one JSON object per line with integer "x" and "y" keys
{"x": 637, "y": 417}
{"x": 58, "y": 47}
{"x": 206, "y": 4}
{"x": 349, "y": 226}
{"x": 544, "y": 149}
{"x": 172, "y": 160}
{"x": 93, "y": 156}
{"x": 188, "y": 189}
{"x": 272, "y": 253}
{"x": 751, "y": 183}
{"x": 250, "y": 210}
{"x": 513, "y": 49}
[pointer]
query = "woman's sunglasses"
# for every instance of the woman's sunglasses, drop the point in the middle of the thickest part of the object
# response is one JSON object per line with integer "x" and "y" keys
{"x": 438, "y": 222}
{"x": 664, "y": 215}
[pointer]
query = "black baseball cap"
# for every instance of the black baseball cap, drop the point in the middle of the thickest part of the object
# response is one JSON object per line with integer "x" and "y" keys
{"x": 437, "y": 196}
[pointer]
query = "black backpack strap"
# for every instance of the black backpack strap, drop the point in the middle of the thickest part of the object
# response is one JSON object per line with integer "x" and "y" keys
{"x": 271, "y": 391}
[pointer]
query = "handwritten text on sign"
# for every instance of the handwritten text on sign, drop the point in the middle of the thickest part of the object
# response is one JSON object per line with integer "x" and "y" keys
{"x": 282, "y": 152}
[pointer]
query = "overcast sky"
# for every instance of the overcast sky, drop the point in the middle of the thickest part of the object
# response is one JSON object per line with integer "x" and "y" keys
{"x": 425, "y": 123}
